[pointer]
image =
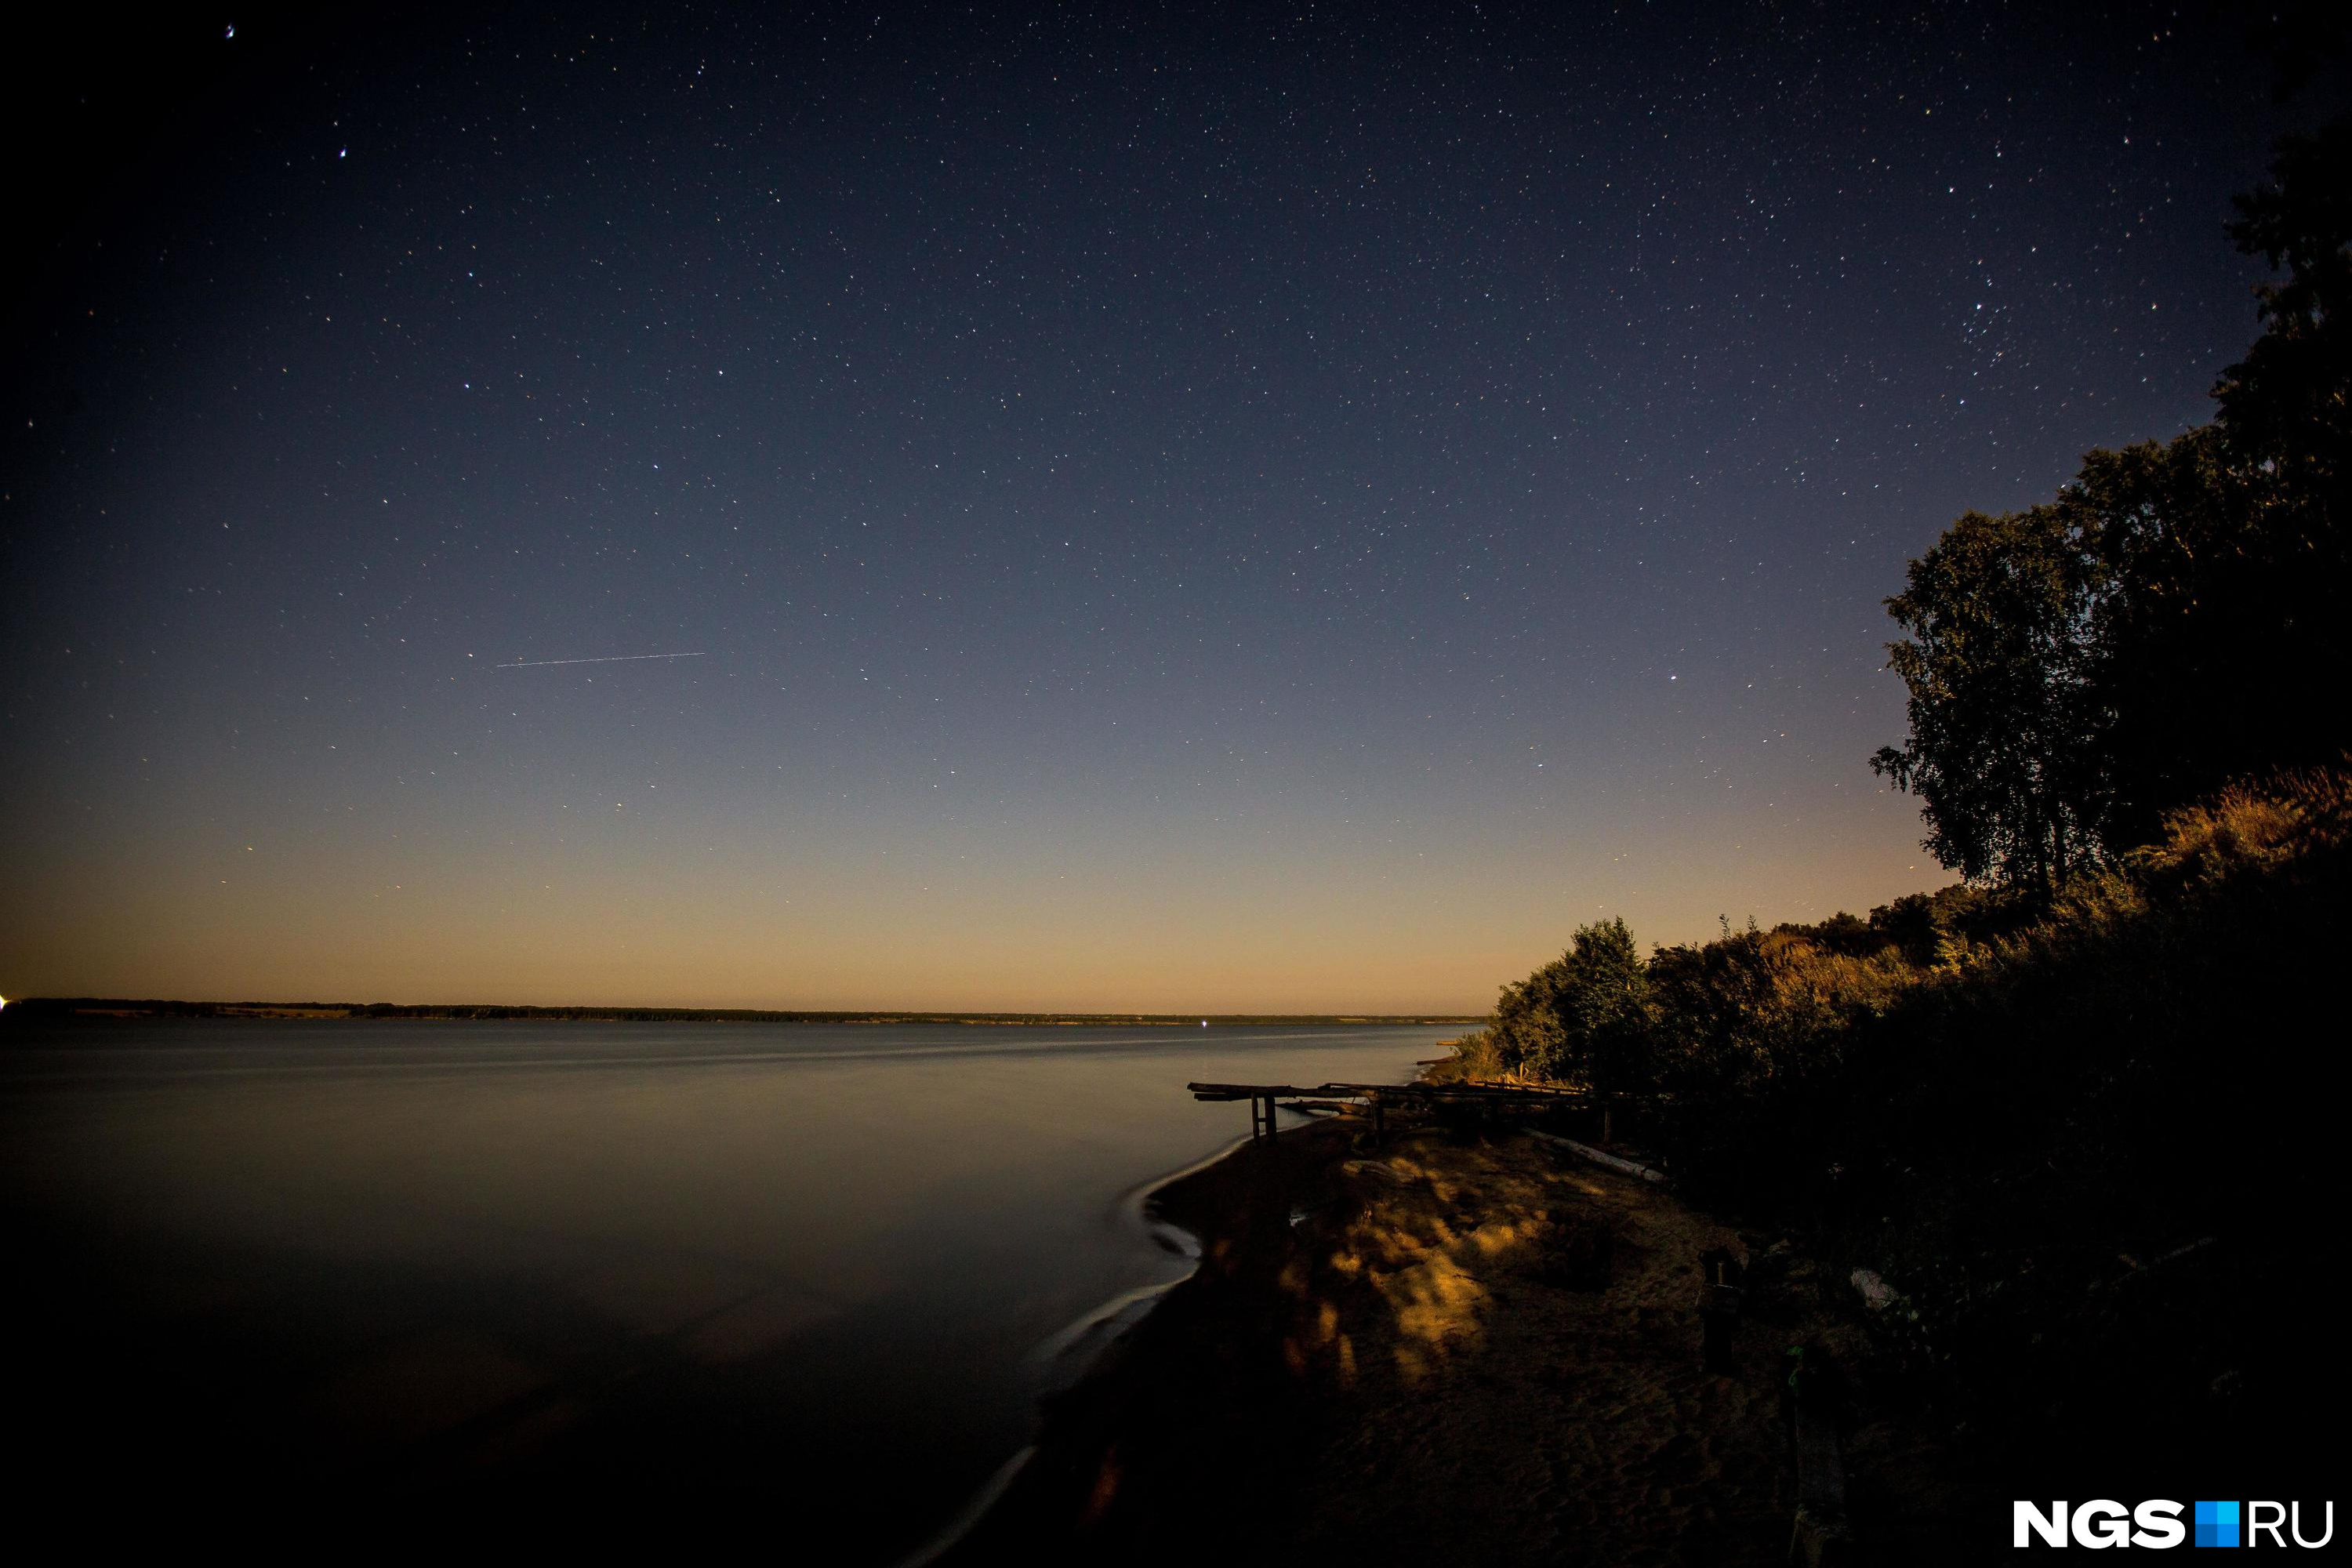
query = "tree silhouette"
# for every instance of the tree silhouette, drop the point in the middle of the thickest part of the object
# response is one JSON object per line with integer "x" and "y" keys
{"x": 2176, "y": 619}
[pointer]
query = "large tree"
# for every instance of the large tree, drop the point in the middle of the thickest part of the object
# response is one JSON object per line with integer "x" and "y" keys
{"x": 2005, "y": 742}
{"x": 2283, "y": 406}
{"x": 2183, "y": 632}
{"x": 2179, "y": 616}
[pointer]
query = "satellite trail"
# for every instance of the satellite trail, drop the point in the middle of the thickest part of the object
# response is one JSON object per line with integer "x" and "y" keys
{"x": 609, "y": 659}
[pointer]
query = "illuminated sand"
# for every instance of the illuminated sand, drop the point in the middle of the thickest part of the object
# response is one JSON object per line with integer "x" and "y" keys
{"x": 1444, "y": 1350}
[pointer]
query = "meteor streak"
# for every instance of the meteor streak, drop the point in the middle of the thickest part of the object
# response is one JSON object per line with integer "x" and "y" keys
{"x": 609, "y": 658}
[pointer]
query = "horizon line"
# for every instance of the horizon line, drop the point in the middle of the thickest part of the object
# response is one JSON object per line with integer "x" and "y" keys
{"x": 157, "y": 1003}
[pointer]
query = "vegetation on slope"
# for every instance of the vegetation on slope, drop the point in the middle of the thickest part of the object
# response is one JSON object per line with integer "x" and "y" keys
{"x": 2071, "y": 1107}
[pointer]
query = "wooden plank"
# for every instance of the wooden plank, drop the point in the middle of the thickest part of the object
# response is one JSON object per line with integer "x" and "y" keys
{"x": 1398, "y": 1090}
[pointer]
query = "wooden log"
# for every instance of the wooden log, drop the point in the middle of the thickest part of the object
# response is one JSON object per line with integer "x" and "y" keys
{"x": 1507, "y": 1084}
{"x": 1606, "y": 1160}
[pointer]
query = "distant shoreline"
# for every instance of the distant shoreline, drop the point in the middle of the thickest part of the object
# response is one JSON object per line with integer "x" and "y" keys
{"x": 58, "y": 1009}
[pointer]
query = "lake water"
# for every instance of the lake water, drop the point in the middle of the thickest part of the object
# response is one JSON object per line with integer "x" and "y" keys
{"x": 608, "y": 1281}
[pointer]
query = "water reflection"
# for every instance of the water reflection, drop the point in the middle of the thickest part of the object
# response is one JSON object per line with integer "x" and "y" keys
{"x": 593, "y": 1279}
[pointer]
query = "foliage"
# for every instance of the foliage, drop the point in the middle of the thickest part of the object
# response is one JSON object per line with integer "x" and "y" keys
{"x": 1582, "y": 1018}
{"x": 2167, "y": 623}
{"x": 2004, "y": 1103}
{"x": 2003, "y": 748}
{"x": 2100, "y": 1049}
{"x": 2284, "y": 404}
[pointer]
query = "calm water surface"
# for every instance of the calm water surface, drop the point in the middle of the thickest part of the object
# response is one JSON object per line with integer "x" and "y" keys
{"x": 588, "y": 1278}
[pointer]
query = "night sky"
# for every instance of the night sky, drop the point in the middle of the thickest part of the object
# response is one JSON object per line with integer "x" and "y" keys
{"x": 1175, "y": 507}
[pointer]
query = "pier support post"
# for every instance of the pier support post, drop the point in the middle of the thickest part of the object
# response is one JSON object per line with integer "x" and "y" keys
{"x": 1721, "y": 1299}
{"x": 1822, "y": 1536}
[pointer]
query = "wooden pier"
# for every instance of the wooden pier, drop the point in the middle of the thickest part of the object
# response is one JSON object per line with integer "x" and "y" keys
{"x": 1374, "y": 1098}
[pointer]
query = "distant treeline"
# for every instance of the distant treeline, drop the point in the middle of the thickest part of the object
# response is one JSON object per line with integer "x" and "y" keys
{"x": 2100, "y": 1058}
{"x": 52, "y": 1008}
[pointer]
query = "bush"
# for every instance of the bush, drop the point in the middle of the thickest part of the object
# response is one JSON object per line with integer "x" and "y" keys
{"x": 2003, "y": 1112}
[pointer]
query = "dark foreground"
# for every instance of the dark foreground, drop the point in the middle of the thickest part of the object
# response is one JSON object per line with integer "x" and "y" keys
{"x": 1455, "y": 1349}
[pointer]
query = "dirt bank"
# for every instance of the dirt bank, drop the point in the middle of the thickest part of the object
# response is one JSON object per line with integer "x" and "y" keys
{"x": 1453, "y": 1349}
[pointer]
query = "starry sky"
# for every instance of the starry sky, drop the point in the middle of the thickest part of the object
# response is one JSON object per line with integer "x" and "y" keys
{"x": 1178, "y": 507}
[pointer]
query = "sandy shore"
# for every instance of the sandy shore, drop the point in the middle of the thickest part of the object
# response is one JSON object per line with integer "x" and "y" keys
{"x": 1451, "y": 1349}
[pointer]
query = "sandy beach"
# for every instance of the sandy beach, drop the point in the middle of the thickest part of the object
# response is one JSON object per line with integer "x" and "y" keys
{"x": 1454, "y": 1348}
